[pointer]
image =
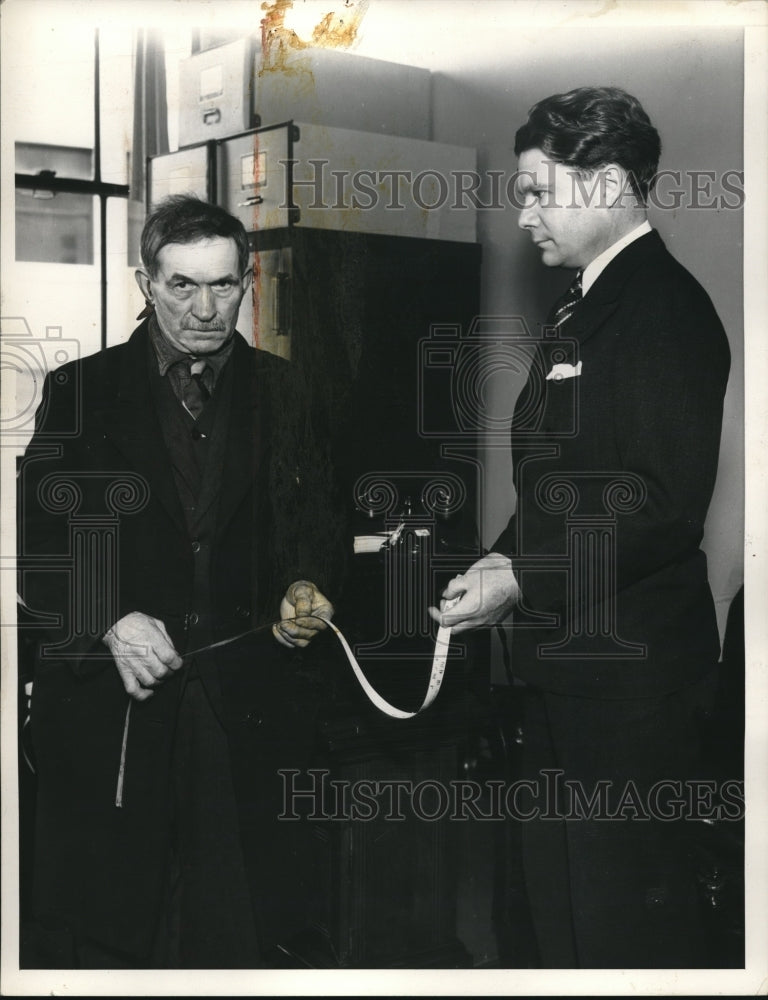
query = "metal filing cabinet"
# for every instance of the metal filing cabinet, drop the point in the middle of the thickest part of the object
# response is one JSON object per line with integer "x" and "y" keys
{"x": 188, "y": 171}
{"x": 217, "y": 86}
{"x": 343, "y": 90}
{"x": 253, "y": 177}
{"x": 237, "y": 86}
{"x": 318, "y": 177}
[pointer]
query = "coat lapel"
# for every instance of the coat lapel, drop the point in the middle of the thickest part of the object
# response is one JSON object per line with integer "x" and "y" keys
{"x": 604, "y": 296}
{"x": 131, "y": 423}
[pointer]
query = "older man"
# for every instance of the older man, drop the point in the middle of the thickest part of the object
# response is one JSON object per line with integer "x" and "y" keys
{"x": 616, "y": 440}
{"x": 157, "y": 756}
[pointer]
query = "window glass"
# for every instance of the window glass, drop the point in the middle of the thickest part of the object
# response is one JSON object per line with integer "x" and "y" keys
{"x": 116, "y": 68}
{"x": 48, "y": 82}
{"x": 64, "y": 161}
{"x": 55, "y": 228}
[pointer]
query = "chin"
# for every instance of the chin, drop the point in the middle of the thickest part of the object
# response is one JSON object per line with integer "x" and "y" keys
{"x": 550, "y": 257}
{"x": 207, "y": 343}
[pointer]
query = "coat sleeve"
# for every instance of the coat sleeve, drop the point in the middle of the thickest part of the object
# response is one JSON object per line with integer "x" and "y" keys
{"x": 49, "y": 492}
{"x": 673, "y": 370}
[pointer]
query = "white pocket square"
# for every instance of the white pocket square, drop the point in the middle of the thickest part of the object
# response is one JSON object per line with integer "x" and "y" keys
{"x": 559, "y": 372}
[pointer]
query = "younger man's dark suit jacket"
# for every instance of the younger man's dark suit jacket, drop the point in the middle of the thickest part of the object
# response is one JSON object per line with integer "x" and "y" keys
{"x": 630, "y": 447}
{"x": 614, "y": 471}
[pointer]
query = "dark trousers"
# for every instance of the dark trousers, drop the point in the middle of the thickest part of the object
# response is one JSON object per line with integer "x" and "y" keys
{"x": 611, "y": 891}
{"x": 208, "y": 920}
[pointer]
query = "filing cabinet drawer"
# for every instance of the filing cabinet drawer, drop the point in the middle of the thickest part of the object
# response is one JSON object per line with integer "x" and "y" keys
{"x": 252, "y": 172}
{"x": 318, "y": 177}
{"x": 217, "y": 88}
{"x": 187, "y": 171}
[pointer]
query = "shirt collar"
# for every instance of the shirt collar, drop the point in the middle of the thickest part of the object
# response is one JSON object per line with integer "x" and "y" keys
{"x": 595, "y": 268}
{"x": 167, "y": 354}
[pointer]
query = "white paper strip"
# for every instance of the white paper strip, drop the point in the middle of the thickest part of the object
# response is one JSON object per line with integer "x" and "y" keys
{"x": 442, "y": 643}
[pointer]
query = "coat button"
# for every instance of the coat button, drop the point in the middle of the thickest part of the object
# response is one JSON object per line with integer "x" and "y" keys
{"x": 242, "y": 612}
{"x": 254, "y": 719}
{"x": 193, "y": 619}
{"x": 655, "y": 897}
{"x": 195, "y": 546}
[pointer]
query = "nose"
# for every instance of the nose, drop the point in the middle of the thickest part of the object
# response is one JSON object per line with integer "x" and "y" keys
{"x": 204, "y": 305}
{"x": 527, "y": 218}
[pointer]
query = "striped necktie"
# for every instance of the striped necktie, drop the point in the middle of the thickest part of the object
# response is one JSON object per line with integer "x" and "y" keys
{"x": 567, "y": 302}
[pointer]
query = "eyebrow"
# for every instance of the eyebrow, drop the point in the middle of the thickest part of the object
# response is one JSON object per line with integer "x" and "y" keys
{"x": 183, "y": 277}
{"x": 527, "y": 184}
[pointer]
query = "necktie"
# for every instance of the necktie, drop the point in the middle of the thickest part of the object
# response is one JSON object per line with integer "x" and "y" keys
{"x": 195, "y": 388}
{"x": 567, "y": 302}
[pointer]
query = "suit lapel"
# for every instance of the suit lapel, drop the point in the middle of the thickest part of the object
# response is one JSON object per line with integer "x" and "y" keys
{"x": 590, "y": 316}
{"x": 603, "y": 297}
{"x": 132, "y": 424}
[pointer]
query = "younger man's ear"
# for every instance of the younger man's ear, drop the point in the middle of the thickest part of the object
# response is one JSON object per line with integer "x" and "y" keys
{"x": 617, "y": 186}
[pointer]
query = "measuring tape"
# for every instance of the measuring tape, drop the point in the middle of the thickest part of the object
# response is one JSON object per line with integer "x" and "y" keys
{"x": 435, "y": 678}
{"x": 442, "y": 642}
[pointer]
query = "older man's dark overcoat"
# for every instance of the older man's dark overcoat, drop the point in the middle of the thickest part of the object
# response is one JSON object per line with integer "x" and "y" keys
{"x": 101, "y": 534}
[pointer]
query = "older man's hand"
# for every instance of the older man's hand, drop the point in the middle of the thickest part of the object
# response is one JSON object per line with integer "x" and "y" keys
{"x": 484, "y": 595}
{"x": 296, "y": 627}
{"x": 143, "y": 653}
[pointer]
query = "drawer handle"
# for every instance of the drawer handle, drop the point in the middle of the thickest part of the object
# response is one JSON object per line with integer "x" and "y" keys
{"x": 255, "y": 199}
{"x": 212, "y": 117}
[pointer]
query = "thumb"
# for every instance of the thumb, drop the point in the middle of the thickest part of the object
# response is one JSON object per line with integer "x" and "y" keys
{"x": 455, "y": 588}
{"x": 302, "y": 599}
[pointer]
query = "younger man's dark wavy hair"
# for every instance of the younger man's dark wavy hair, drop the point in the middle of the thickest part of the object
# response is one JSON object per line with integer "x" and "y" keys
{"x": 590, "y": 127}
